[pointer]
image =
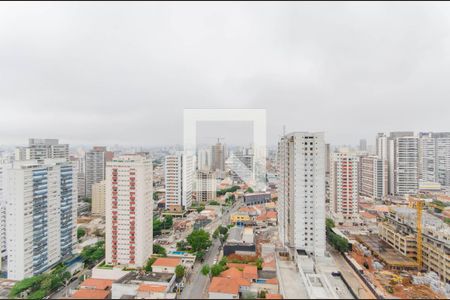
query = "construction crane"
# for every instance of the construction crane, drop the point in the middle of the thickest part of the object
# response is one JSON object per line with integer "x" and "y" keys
{"x": 418, "y": 203}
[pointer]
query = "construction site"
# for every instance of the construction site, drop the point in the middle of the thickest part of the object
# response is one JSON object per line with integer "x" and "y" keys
{"x": 410, "y": 256}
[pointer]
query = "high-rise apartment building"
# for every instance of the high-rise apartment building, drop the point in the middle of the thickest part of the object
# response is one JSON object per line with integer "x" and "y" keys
{"x": 344, "y": 185}
{"x": 382, "y": 146}
{"x": 374, "y": 181}
{"x": 95, "y": 163}
{"x": 4, "y": 166}
{"x": 129, "y": 210}
{"x": 179, "y": 172}
{"x": 41, "y": 215}
{"x": 205, "y": 186}
{"x": 218, "y": 157}
{"x": 406, "y": 171}
{"x": 204, "y": 159}
{"x": 434, "y": 157}
{"x": 98, "y": 198}
{"x": 301, "y": 194}
{"x": 40, "y": 149}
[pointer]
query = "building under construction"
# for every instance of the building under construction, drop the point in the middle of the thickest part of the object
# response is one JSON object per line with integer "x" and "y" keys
{"x": 400, "y": 231}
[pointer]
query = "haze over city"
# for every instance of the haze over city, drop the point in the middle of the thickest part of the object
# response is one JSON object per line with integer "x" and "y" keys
{"x": 78, "y": 70}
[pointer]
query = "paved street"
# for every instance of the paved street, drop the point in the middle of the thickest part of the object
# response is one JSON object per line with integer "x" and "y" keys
{"x": 64, "y": 293}
{"x": 352, "y": 278}
{"x": 196, "y": 287}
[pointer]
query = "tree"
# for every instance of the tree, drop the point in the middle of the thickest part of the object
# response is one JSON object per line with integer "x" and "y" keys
{"x": 205, "y": 270}
{"x": 200, "y": 255}
{"x": 259, "y": 262}
{"x": 179, "y": 271}
{"x": 249, "y": 190}
{"x": 213, "y": 202}
{"x": 158, "y": 249}
{"x": 262, "y": 294}
{"x": 223, "y": 261}
{"x": 81, "y": 232}
{"x": 199, "y": 240}
{"x": 216, "y": 269}
{"x": 329, "y": 223}
{"x": 150, "y": 262}
{"x": 182, "y": 245}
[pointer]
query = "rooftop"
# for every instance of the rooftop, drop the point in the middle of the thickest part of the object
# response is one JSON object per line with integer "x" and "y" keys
{"x": 90, "y": 294}
{"x": 224, "y": 285}
{"x": 152, "y": 288}
{"x": 167, "y": 262}
{"x": 96, "y": 284}
{"x": 137, "y": 278}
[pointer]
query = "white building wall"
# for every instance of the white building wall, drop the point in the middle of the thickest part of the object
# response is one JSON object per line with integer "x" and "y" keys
{"x": 129, "y": 217}
{"x": 301, "y": 202}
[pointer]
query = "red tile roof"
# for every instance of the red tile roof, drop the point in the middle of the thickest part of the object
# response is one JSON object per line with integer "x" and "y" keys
{"x": 274, "y": 296}
{"x": 272, "y": 281}
{"x": 90, "y": 294}
{"x": 231, "y": 273}
{"x": 151, "y": 288}
{"x": 250, "y": 272}
{"x": 96, "y": 284}
{"x": 271, "y": 214}
{"x": 167, "y": 262}
{"x": 235, "y": 265}
{"x": 224, "y": 285}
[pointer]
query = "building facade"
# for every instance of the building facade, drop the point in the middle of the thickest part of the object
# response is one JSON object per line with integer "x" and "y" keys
{"x": 129, "y": 210}
{"x": 179, "y": 174}
{"x": 98, "y": 198}
{"x": 344, "y": 186}
{"x": 374, "y": 179}
{"x": 40, "y": 149}
{"x": 205, "y": 186}
{"x": 301, "y": 194}
{"x": 95, "y": 163}
{"x": 434, "y": 157}
{"x": 41, "y": 215}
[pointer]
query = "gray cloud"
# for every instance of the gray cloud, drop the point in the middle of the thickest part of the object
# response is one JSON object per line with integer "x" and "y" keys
{"x": 124, "y": 72}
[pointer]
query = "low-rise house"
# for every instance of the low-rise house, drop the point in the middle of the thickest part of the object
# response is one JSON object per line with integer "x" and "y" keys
{"x": 239, "y": 218}
{"x": 140, "y": 285}
{"x": 223, "y": 288}
{"x": 166, "y": 264}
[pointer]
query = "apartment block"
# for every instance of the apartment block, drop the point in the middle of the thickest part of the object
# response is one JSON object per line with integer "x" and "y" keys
{"x": 434, "y": 157}
{"x": 374, "y": 177}
{"x": 129, "y": 210}
{"x": 179, "y": 172}
{"x": 95, "y": 163}
{"x": 344, "y": 186}
{"x": 301, "y": 194}
{"x": 41, "y": 215}
{"x": 40, "y": 149}
{"x": 98, "y": 198}
{"x": 205, "y": 186}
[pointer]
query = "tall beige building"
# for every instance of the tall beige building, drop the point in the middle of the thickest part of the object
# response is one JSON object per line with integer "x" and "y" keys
{"x": 205, "y": 186}
{"x": 374, "y": 177}
{"x": 129, "y": 210}
{"x": 98, "y": 199}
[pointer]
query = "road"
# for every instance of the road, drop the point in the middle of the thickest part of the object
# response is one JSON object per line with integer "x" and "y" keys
{"x": 357, "y": 285}
{"x": 64, "y": 293}
{"x": 197, "y": 282}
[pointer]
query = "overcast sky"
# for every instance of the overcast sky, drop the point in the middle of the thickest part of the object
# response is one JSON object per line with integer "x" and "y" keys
{"x": 115, "y": 73}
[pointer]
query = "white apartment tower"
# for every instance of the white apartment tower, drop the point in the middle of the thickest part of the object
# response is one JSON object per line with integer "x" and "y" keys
{"x": 40, "y": 149}
{"x": 374, "y": 181}
{"x": 179, "y": 172}
{"x": 129, "y": 210}
{"x": 301, "y": 194}
{"x": 406, "y": 171}
{"x": 382, "y": 146}
{"x": 344, "y": 186}
{"x": 434, "y": 157}
{"x": 4, "y": 166}
{"x": 41, "y": 215}
{"x": 95, "y": 163}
